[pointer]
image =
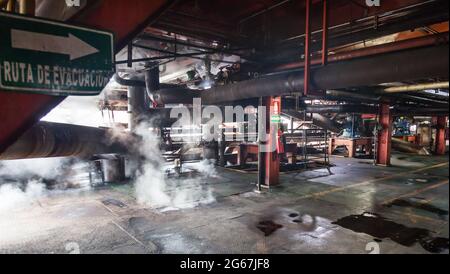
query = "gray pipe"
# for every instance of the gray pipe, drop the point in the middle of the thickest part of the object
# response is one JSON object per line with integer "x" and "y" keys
{"x": 407, "y": 65}
{"x": 63, "y": 140}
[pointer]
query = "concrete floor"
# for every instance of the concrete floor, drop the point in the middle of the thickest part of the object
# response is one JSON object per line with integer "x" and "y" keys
{"x": 298, "y": 217}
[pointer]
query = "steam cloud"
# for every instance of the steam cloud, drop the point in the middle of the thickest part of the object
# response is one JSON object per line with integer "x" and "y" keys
{"x": 154, "y": 190}
{"x": 24, "y": 182}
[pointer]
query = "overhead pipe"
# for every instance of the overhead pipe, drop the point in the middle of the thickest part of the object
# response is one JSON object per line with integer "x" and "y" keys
{"x": 62, "y": 140}
{"x": 430, "y": 40}
{"x": 373, "y": 70}
{"x": 419, "y": 87}
{"x": 408, "y": 65}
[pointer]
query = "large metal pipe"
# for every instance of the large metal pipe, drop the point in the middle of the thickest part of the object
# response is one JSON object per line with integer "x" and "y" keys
{"x": 419, "y": 87}
{"x": 62, "y": 140}
{"x": 137, "y": 105}
{"x": 392, "y": 67}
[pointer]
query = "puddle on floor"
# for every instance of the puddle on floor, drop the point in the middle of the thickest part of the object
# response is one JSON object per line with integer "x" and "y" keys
{"x": 114, "y": 202}
{"x": 419, "y": 205}
{"x": 268, "y": 227}
{"x": 382, "y": 228}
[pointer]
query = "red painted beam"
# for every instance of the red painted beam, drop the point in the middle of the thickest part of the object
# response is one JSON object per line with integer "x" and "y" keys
{"x": 440, "y": 146}
{"x": 384, "y": 136}
{"x": 125, "y": 19}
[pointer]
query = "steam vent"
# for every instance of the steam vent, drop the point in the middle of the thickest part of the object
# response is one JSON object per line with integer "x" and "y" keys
{"x": 195, "y": 127}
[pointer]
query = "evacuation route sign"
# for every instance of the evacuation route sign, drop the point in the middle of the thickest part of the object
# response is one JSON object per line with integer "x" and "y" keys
{"x": 52, "y": 58}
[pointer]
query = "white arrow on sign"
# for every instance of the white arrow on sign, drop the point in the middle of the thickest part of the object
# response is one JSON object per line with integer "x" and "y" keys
{"x": 71, "y": 45}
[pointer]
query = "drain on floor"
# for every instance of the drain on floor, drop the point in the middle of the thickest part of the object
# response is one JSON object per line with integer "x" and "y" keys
{"x": 113, "y": 202}
{"x": 419, "y": 205}
{"x": 381, "y": 228}
{"x": 268, "y": 227}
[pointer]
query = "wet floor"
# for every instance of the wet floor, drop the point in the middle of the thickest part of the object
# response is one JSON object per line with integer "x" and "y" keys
{"x": 401, "y": 209}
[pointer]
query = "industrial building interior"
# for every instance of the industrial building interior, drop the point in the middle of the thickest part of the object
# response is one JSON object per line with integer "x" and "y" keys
{"x": 233, "y": 127}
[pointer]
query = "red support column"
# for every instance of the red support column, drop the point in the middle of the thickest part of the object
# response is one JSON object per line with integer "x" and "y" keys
{"x": 272, "y": 158}
{"x": 440, "y": 146}
{"x": 384, "y": 136}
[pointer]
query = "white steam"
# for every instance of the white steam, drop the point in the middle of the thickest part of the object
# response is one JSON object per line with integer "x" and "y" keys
{"x": 11, "y": 196}
{"x": 24, "y": 182}
{"x": 152, "y": 187}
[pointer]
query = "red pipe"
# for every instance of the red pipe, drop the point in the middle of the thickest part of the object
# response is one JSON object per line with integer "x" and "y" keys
{"x": 307, "y": 47}
{"x": 325, "y": 34}
{"x": 380, "y": 49}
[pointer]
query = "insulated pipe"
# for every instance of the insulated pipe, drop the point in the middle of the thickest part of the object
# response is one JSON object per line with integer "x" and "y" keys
{"x": 392, "y": 67}
{"x": 419, "y": 87}
{"x": 137, "y": 105}
{"x": 152, "y": 83}
{"x": 27, "y": 7}
{"x": 63, "y": 140}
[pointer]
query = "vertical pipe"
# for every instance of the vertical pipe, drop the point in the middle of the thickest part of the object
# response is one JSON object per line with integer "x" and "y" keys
{"x": 11, "y": 7}
{"x": 325, "y": 34}
{"x": 384, "y": 136}
{"x": 307, "y": 47}
{"x": 440, "y": 146}
{"x": 27, "y": 7}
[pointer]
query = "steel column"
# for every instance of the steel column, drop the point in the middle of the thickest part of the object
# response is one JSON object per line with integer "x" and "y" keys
{"x": 384, "y": 136}
{"x": 440, "y": 140}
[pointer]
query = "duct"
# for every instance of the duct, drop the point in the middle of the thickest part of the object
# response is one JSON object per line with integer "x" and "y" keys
{"x": 46, "y": 140}
{"x": 407, "y": 147}
{"x": 375, "y": 70}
